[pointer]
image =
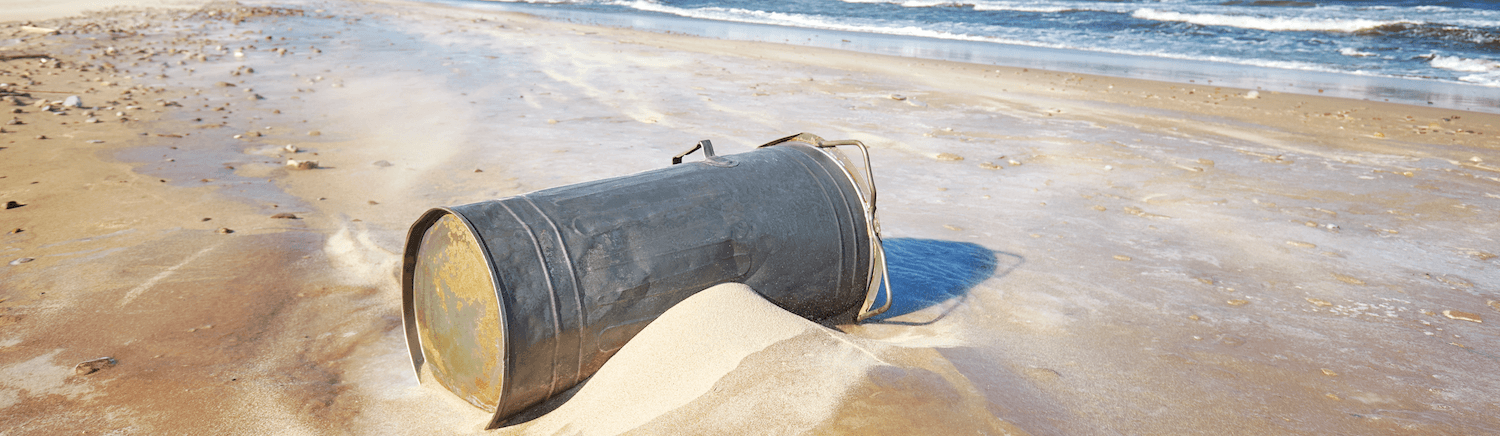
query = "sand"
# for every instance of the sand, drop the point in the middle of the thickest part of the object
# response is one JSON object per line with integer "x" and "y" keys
{"x": 1157, "y": 257}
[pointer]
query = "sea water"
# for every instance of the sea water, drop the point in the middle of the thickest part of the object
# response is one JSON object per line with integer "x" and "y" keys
{"x": 1346, "y": 47}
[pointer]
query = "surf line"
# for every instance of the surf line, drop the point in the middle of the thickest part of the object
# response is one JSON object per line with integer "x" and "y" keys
{"x": 136, "y": 292}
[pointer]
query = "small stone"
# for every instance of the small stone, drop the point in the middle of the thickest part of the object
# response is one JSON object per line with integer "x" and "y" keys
{"x": 15, "y": 121}
{"x": 92, "y": 366}
{"x": 1237, "y": 302}
{"x": 12, "y": 204}
{"x": 224, "y": 231}
{"x": 41, "y": 136}
{"x": 1462, "y": 316}
{"x": 72, "y": 101}
{"x": 224, "y": 84}
{"x": 302, "y": 164}
{"x": 92, "y": 121}
{"x": 381, "y": 163}
{"x": 1348, "y": 279}
{"x": 948, "y": 156}
{"x": 898, "y": 97}
{"x": 285, "y": 216}
{"x": 477, "y": 170}
{"x": 373, "y": 202}
{"x": 314, "y": 133}
{"x": 21, "y": 261}
{"x": 551, "y": 121}
{"x": 1378, "y": 135}
{"x": 990, "y": 166}
{"x": 1329, "y": 372}
{"x": 1252, "y": 95}
{"x": 290, "y": 148}
{"x": 1122, "y": 257}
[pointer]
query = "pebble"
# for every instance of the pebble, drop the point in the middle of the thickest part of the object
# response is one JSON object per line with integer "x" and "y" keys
{"x": 15, "y": 121}
{"x": 1237, "y": 302}
{"x": 898, "y": 97}
{"x": 224, "y": 231}
{"x": 990, "y": 166}
{"x": 314, "y": 133}
{"x": 381, "y": 163}
{"x": 1462, "y": 316}
{"x": 1329, "y": 372}
{"x": 1348, "y": 279}
{"x": 21, "y": 261}
{"x": 1122, "y": 257}
{"x": 949, "y": 156}
{"x": 285, "y": 216}
{"x": 290, "y": 149}
{"x": 72, "y": 101}
{"x": 92, "y": 366}
{"x": 95, "y": 141}
{"x": 12, "y": 204}
{"x": 373, "y": 202}
{"x": 1252, "y": 95}
{"x": 302, "y": 164}
{"x": 91, "y": 120}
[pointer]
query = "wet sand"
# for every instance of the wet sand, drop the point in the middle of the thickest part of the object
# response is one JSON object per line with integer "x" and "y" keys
{"x": 1154, "y": 258}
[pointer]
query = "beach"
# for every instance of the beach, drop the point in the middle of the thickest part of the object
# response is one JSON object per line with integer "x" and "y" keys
{"x": 1143, "y": 257}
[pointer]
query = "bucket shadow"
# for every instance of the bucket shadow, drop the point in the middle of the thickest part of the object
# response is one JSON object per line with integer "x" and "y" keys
{"x": 929, "y": 272}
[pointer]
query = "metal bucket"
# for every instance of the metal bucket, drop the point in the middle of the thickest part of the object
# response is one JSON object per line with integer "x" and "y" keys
{"x": 509, "y": 302}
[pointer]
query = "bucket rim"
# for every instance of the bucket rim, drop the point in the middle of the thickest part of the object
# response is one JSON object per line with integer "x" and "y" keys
{"x": 879, "y": 277}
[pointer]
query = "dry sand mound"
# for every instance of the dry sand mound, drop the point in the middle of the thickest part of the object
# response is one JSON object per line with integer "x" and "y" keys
{"x": 727, "y": 358}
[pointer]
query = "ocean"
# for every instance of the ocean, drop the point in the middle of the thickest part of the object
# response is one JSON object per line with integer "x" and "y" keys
{"x": 1344, "y": 45}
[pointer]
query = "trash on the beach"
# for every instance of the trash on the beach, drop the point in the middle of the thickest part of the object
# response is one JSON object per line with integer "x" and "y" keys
{"x": 1462, "y": 316}
{"x": 12, "y": 204}
{"x": 302, "y": 164}
{"x": 95, "y": 365}
{"x": 793, "y": 219}
{"x": 224, "y": 231}
{"x": 285, "y": 216}
{"x": 21, "y": 261}
{"x": 898, "y": 97}
{"x": 1252, "y": 95}
{"x": 990, "y": 166}
{"x": 948, "y": 156}
{"x": 290, "y": 148}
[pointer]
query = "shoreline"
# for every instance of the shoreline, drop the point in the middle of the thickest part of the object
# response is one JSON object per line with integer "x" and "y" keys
{"x": 1368, "y": 87}
{"x": 1167, "y": 258}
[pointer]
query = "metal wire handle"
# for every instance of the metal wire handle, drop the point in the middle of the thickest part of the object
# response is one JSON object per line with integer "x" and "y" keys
{"x": 877, "y": 253}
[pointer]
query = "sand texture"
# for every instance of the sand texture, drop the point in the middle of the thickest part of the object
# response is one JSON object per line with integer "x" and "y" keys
{"x": 1072, "y": 254}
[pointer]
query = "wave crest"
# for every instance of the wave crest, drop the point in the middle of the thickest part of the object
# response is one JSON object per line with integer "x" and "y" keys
{"x": 1274, "y": 24}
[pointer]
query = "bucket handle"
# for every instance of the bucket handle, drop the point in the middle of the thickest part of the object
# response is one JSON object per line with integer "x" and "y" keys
{"x": 706, "y": 145}
{"x": 877, "y": 254}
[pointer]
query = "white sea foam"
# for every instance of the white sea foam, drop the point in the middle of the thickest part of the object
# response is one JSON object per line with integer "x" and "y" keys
{"x": 1353, "y": 52}
{"x": 1455, "y": 63}
{"x": 981, "y": 5}
{"x": 1275, "y": 24}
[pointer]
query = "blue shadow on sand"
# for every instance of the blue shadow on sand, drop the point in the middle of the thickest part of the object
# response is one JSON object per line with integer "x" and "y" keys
{"x": 929, "y": 272}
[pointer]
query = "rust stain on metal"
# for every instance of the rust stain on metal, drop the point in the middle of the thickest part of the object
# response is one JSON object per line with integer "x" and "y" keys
{"x": 458, "y": 314}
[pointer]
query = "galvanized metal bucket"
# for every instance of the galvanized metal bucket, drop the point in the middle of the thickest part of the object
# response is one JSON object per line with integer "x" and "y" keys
{"x": 509, "y": 302}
